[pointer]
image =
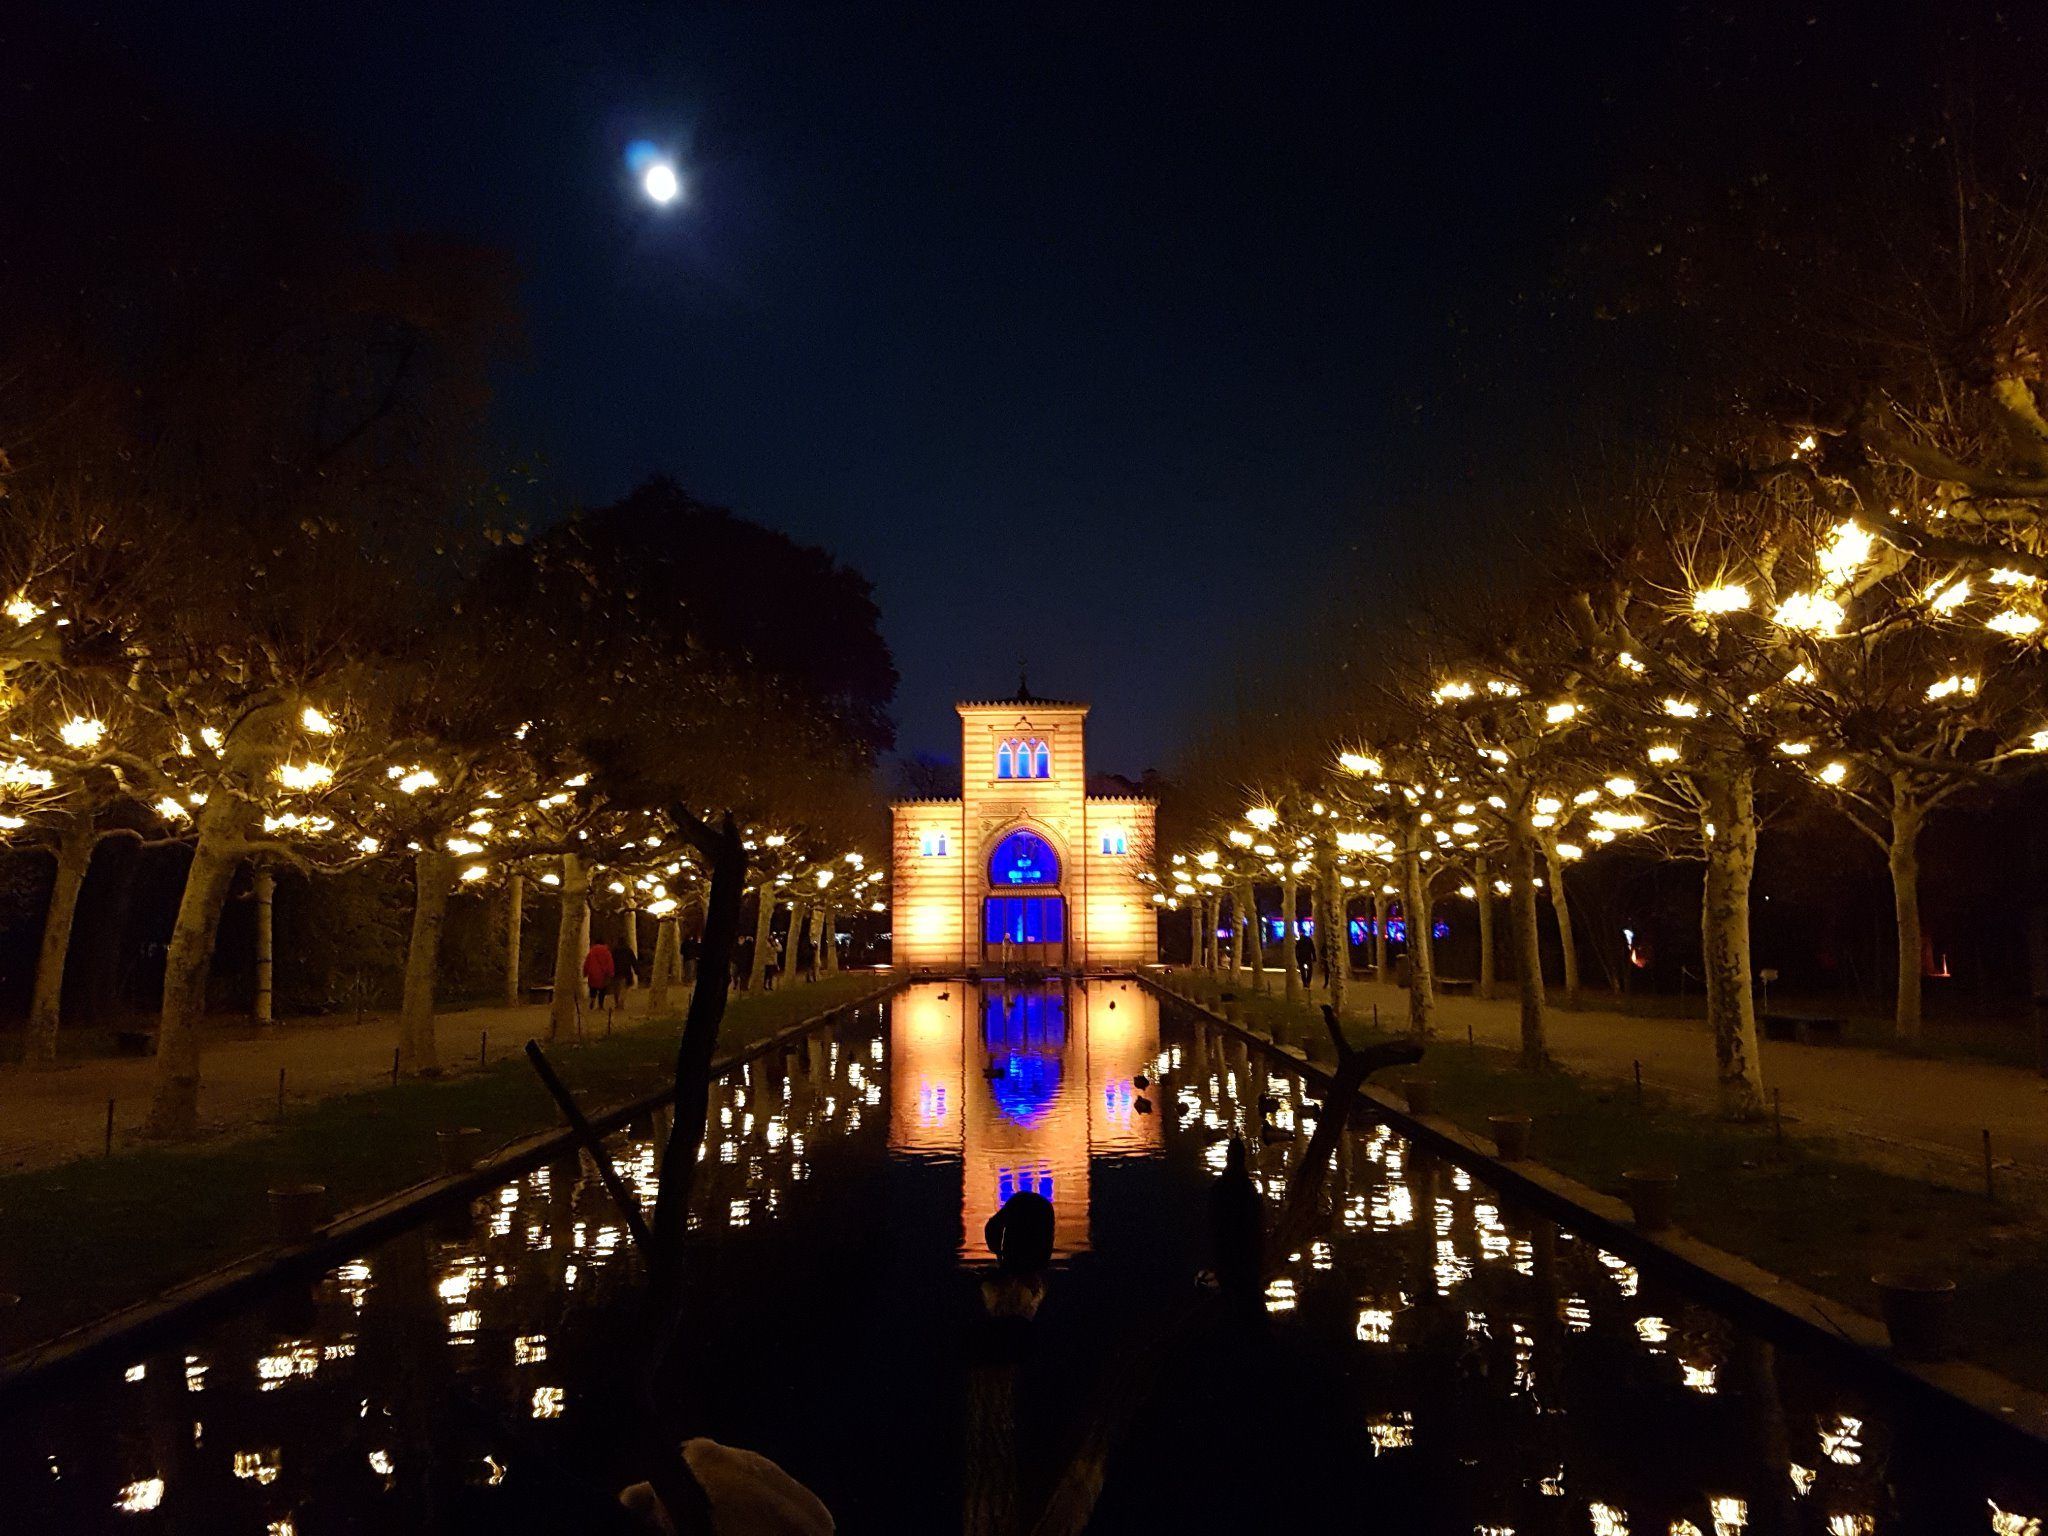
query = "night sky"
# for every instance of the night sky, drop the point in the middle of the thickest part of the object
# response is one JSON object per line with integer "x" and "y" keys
{"x": 1112, "y": 344}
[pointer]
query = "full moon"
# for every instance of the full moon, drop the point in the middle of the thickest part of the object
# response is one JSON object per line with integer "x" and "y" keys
{"x": 660, "y": 183}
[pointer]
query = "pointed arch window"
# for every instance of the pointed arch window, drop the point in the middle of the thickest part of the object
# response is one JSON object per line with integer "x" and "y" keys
{"x": 1024, "y": 757}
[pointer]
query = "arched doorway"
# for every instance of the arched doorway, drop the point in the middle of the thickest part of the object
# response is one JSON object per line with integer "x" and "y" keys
{"x": 1024, "y": 915}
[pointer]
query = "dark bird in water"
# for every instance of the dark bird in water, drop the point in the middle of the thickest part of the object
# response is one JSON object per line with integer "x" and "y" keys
{"x": 1112, "y": 1002}
{"x": 1267, "y": 1103}
{"x": 1141, "y": 1081}
{"x": 1142, "y": 1105}
{"x": 944, "y": 995}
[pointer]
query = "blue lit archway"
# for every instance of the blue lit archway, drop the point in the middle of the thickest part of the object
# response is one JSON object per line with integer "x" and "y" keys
{"x": 1023, "y": 858}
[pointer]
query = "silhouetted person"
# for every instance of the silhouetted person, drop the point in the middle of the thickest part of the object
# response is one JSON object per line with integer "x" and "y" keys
{"x": 1020, "y": 1234}
{"x": 600, "y": 974}
{"x": 1237, "y": 1223}
{"x": 1305, "y": 957}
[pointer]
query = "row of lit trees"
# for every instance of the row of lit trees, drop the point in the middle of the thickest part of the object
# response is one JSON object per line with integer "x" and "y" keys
{"x": 1727, "y": 648}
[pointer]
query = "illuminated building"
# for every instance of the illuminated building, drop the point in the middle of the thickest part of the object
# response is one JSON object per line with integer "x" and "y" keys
{"x": 1026, "y": 867}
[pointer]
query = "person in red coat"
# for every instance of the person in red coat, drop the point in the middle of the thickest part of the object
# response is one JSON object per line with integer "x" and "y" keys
{"x": 599, "y": 973}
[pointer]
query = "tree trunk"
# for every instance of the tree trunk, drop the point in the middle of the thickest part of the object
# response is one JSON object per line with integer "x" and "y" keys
{"x": 266, "y": 946}
{"x": 668, "y": 964}
{"x": 793, "y": 941}
{"x": 817, "y": 932}
{"x": 515, "y": 916}
{"x": 1237, "y": 934}
{"x": 1560, "y": 904}
{"x": 1528, "y": 949}
{"x": 1258, "y": 937}
{"x": 764, "y": 937}
{"x": 74, "y": 858}
{"x": 567, "y": 1005}
{"x": 1482, "y": 894}
{"x": 1379, "y": 935}
{"x": 433, "y": 872}
{"x": 1904, "y": 857}
{"x": 1724, "y": 923}
{"x": 828, "y": 940}
{"x": 1336, "y": 931}
{"x": 1421, "y": 957}
{"x": 188, "y": 962}
{"x": 1290, "y": 933}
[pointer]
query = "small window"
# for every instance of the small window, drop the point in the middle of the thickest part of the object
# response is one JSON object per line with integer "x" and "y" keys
{"x": 1114, "y": 842}
{"x": 1024, "y": 758}
{"x": 933, "y": 845}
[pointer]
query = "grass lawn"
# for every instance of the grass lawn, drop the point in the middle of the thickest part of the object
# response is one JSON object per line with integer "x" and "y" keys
{"x": 83, "y": 1238}
{"x": 1800, "y": 1208}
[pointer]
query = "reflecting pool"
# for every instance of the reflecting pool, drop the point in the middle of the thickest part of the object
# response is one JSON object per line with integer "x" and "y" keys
{"x": 1437, "y": 1361}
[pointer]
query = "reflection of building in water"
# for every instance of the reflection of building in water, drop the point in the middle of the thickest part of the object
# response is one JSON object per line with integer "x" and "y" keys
{"x": 1024, "y": 1085}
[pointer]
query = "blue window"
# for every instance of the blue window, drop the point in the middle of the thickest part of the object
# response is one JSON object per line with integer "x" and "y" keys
{"x": 1025, "y": 919}
{"x": 1115, "y": 841}
{"x": 933, "y": 845}
{"x": 1023, "y": 758}
{"x": 1023, "y": 858}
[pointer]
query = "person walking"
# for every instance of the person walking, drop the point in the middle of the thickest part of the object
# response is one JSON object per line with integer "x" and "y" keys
{"x": 1305, "y": 957}
{"x": 600, "y": 974}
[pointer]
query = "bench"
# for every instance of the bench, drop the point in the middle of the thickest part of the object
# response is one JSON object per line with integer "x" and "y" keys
{"x": 1804, "y": 1029}
{"x": 1456, "y": 986}
{"x": 544, "y": 992}
{"x": 135, "y": 1042}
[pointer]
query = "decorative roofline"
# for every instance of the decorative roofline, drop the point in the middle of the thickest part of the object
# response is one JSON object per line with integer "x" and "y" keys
{"x": 928, "y": 800}
{"x": 1023, "y": 706}
{"x": 1152, "y": 800}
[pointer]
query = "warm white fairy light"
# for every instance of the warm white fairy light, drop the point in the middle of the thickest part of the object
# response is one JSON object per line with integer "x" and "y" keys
{"x": 1681, "y": 709}
{"x": 1357, "y": 763}
{"x": 1560, "y": 712}
{"x": 2011, "y": 621}
{"x": 1264, "y": 817}
{"x": 22, "y": 611}
{"x": 1810, "y": 613}
{"x": 81, "y": 733}
{"x": 315, "y": 722}
{"x": 1946, "y": 597}
{"x": 172, "y": 809}
{"x": 1956, "y": 685}
{"x": 1663, "y": 752}
{"x": 304, "y": 776}
{"x": 1621, "y": 786}
{"x": 1453, "y": 690}
{"x": 1833, "y": 773}
{"x": 474, "y": 873}
{"x": 1728, "y": 598}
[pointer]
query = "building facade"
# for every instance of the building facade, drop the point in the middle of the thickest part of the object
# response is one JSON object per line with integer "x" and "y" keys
{"x": 1026, "y": 867}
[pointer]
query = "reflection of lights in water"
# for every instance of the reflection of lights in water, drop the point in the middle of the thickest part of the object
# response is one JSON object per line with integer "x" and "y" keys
{"x": 1653, "y": 1331}
{"x": 1319, "y": 1256}
{"x": 283, "y": 1527}
{"x": 1391, "y": 1431}
{"x": 1607, "y": 1520}
{"x": 1853, "y": 1525}
{"x": 1452, "y": 1267}
{"x": 1685, "y": 1528}
{"x": 1842, "y": 1442}
{"x": 1392, "y": 1206}
{"x": 135, "y": 1373}
{"x": 550, "y": 1402}
{"x": 1476, "y": 1326}
{"x": 1460, "y": 1180}
{"x": 1216, "y": 1155}
{"x": 462, "y": 1326}
{"x": 501, "y": 1223}
{"x": 382, "y": 1464}
{"x": 530, "y": 1349}
{"x": 1578, "y": 1314}
{"x": 294, "y": 1358}
{"x": 1375, "y": 1325}
{"x": 2005, "y": 1523}
{"x": 1493, "y": 1530}
{"x": 1730, "y": 1515}
{"x": 258, "y": 1466}
{"x": 738, "y": 1212}
{"x": 1552, "y": 1487}
{"x": 1803, "y": 1479}
{"x": 195, "y": 1374}
{"x": 138, "y": 1498}
{"x": 1280, "y": 1295}
{"x": 1701, "y": 1378}
{"x": 494, "y": 1471}
{"x": 1525, "y": 1359}
{"x": 1625, "y": 1276}
{"x": 1446, "y": 1217}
